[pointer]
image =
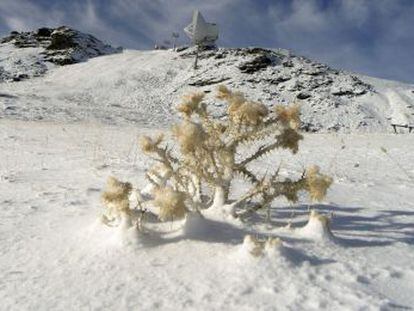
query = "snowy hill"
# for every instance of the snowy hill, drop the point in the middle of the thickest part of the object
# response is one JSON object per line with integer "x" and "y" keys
{"x": 144, "y": 86}
{"x": 29, "y": 54}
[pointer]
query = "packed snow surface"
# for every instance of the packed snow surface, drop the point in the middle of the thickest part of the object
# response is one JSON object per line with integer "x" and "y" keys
{"x": 55, "y": 255}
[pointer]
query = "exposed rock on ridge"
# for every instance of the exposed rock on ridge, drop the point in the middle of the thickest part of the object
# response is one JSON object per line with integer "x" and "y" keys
{"x": 63, "y": 45}
{"x": 29, "y": 52}
{"x": 278, "y": 76}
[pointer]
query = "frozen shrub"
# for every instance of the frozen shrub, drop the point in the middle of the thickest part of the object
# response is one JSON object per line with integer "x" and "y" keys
{"x": 190, "y": 104}
{"x": 116, "y": 201}
{"x": 189, "y": 135}
{"x": 212, "y": 153}
{"x": 288, "y": 116}
{"x": 170, "y": 203}
{"x": 318, "y": 184}
{"x": 149, "y": 144}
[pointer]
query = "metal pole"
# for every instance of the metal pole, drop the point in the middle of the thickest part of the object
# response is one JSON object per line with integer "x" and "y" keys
{"x": 196, "y": 58}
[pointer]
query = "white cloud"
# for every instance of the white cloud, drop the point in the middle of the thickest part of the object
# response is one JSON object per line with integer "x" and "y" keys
{"x": 24, "y": 15}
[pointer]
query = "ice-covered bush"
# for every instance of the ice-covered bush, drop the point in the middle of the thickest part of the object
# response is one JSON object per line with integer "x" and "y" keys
{"x": 212, "y": 152}
{"x": 116, "y": 200}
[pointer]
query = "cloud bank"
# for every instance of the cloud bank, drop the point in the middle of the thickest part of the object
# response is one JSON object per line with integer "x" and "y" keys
{"x": 366, "y": 36}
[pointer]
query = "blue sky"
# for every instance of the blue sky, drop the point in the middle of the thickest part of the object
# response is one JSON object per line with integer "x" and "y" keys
{"x": 373, "y": 37}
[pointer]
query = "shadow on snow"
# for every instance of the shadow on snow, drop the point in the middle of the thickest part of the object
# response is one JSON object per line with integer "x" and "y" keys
{"x": 351, "y": 229}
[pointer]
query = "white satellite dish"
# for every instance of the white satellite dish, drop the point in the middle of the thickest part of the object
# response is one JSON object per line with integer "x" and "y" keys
{"x": 200, "y": 32}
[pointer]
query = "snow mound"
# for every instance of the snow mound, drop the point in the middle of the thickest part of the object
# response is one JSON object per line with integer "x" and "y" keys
{"x": 208, "y": 227}
{"x": 195, "y": 226}
{"x": 258, "y": 248}
{"x": 270, "y": 252}
{"x": 317, "y": 228}
{"x": 123, "y": 235}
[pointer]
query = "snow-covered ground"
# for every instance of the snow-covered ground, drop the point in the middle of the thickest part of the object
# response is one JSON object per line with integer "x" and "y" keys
{"x": 143, "y": 87}
{"x": 54, "y": 255}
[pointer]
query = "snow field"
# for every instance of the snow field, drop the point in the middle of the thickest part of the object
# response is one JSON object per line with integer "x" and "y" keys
{"x": 55, "y": 255}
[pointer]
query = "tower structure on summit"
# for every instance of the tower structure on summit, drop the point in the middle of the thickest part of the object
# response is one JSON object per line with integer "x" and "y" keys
{"x": 200, "y": 32}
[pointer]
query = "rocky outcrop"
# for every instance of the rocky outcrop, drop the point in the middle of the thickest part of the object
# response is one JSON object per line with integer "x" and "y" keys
{"x": 61, "y": 45}
{"x": 24, "y": 55}
{"x": 303, "y": 95}
{"x": 256, "y": 64}
{"x": 278, "y": 76}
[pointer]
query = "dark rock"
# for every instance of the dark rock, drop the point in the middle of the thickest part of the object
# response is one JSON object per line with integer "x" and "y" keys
{"x": 203, "y": 52}
{"x": 25, "y": 44}
{"x": 202, "y": 82}
{"x": 4, "y": 95}
{"x": 362, "y": 123}
{"x": 282, "y": 78}
{"x": 251, "y": 80}
{"x": 287, "y": 63}
{"x": 335, "y": 127}
{"x": 256, "y": 51}
{"x": 181, "y": 48}
{"x": 44, "y": 32}
{"x": 61, "y": 41}
{"x": 309, "y": 127}
{"x": 303, "y": 95}
{"x": 312, "y": 72}
{"x": 256, "y": 64}
{"x": 342, "y": 92}
{"x": 23, "y": 76}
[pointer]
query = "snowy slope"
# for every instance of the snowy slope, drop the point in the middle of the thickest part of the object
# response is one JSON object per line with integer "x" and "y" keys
{"x": 54, "y": 256}
{"x": 144, "y": 86}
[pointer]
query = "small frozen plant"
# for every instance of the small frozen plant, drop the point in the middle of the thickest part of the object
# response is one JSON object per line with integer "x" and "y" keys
{"x": 257, "y": 248}
{"x": 170, "y": 203}
{"x": 116, "y": 201}
{"x": 198, "y": 174}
